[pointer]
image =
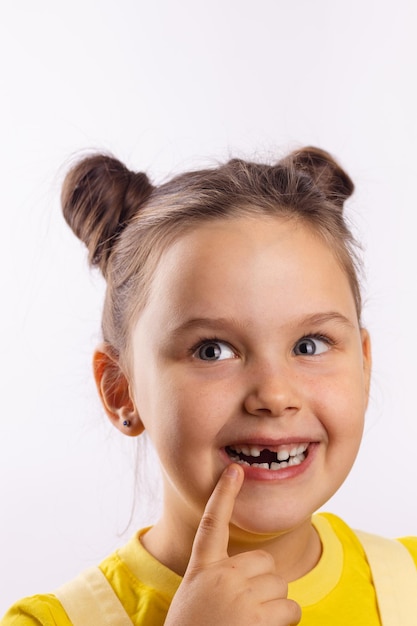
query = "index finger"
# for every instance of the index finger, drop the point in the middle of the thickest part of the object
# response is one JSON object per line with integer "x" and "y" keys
{"x": 212, "y": 537}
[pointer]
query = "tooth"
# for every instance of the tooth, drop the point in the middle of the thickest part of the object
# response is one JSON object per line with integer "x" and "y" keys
{"x": 275, "y": 466}
{"x": 255, "y": 451}
{"x": 283, "y": 455}
{"x": 283, "y": 464}
{"x": 294, "y": 460}
{"x": 262, "y": 465}
{"x": 243, "y": 462}
{"x": 245, "y": 450}
{"x": 302, "y": 448}
{"x": 237, "y": 449}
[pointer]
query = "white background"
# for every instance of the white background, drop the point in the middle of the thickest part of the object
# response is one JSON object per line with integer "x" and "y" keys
{"x": 167, "y": 86}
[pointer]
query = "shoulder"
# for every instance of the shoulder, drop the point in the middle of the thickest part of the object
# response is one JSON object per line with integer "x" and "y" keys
{"x": 411, "y": 544}
{"x": 353, "y": 537}
{"x": 38, "y": 610}
{"x": 143, "y": 586}
{"x": 329, "y": 523}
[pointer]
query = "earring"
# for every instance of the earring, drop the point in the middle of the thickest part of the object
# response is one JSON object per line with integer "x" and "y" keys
{"x": 127, "y": 423}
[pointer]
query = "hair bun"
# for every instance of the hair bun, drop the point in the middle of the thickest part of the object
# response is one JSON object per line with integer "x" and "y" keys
{"x": 99, "y": 197}
{"x": 326, "y": 173}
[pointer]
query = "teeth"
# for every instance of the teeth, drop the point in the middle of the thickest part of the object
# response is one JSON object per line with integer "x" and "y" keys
{"x": 297, "y": 450}
{"x": 249, "y": 450}
{"x": 286, "y": 457}
{"x": 283, "y": 455}
{"x": 292, "y": 460}
{"x": 256, "y": 450}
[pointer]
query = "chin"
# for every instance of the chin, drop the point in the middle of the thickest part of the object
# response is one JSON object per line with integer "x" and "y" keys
{"x": 264, "y": 526}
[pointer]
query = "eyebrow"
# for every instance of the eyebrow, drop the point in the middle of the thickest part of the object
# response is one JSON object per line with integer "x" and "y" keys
{"x": 316, "y": 319}
{"x": 328, "y": 316}
{"x": 206, "y": 322}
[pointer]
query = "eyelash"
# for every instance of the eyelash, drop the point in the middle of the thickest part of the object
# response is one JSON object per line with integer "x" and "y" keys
{"x": 204, "y": 340}
{"x": 314, "y": 336}
{"x": 215, "y": 339}
{"x": 317, "y": 336}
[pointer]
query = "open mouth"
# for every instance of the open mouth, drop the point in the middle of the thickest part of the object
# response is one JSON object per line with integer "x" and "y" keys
{"x": 258, "y": 456}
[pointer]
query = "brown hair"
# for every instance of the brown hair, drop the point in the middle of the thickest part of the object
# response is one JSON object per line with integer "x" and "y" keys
{"x": 126, "y": 222}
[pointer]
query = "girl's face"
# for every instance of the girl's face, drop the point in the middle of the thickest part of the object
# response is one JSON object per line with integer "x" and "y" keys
{"x": 249, "y": 349}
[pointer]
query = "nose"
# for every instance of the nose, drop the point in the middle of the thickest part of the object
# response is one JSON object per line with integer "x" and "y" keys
{"x": 272, "y": 392}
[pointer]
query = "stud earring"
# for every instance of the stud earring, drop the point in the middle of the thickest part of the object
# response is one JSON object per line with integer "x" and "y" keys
{"x": 127, "y": 423}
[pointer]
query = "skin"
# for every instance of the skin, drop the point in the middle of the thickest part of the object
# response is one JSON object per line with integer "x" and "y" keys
{"x": 257, "y": 293}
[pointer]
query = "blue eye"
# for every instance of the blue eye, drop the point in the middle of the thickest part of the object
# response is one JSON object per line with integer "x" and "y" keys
{"x": 309, "y": 346}
{"x": 214, "y": 351}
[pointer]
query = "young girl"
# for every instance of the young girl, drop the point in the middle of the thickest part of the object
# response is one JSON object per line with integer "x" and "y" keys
{"x": 231, "y": 334}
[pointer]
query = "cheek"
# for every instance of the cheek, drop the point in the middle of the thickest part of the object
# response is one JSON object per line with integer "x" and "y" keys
{"x": 341, "y": 404}
{"x": 203, "y": 394}
{"x": 198, "y": 411}
{"x": 177, "y": 413}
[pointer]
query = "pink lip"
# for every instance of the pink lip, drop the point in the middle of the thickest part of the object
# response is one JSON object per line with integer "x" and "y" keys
{"x": 267, "y": 475}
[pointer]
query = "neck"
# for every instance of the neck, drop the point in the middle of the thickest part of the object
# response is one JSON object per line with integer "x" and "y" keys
{"x": 295, "y": 551}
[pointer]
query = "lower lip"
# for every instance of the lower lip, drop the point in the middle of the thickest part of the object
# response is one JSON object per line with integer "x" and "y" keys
{"x": 286, "y": 473}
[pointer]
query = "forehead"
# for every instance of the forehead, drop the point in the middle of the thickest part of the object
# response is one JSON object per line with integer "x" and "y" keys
{"x": 262, "y": 262}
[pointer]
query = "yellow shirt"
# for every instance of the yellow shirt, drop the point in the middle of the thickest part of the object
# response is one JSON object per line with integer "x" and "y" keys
{"x": 337, "y": 591}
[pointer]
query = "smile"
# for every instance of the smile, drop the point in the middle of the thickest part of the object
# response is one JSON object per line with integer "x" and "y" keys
{"x": 257, "y": 456}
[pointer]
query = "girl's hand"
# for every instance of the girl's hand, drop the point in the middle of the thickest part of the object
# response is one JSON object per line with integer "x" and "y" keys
{"x": 242, "y": 590}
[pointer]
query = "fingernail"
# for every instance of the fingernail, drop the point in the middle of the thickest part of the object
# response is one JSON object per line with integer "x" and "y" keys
{"x": 232, "y": 471}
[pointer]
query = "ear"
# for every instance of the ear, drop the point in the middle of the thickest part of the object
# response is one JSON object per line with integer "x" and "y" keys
{"x": 113, "y": 388}
{"x": 367, "y": 360}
